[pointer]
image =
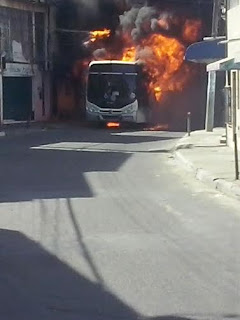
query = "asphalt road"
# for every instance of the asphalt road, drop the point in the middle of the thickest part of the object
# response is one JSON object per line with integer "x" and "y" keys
{"x": 104, "y": 225}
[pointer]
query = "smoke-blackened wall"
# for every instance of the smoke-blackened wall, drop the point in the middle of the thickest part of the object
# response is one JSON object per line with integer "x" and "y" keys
{"x": 82, "y": 15}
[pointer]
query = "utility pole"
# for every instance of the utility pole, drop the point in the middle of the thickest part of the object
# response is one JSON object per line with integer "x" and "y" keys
{"x": 211, "y": 90}
{"x": 216, "y": 17}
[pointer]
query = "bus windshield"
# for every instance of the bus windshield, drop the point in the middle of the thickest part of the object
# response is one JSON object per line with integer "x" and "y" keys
{"x": 111, "y": 90}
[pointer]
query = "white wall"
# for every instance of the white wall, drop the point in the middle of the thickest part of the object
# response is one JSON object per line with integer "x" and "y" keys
{"x": 233, "y": 36}
{"x": 233, "y": 28}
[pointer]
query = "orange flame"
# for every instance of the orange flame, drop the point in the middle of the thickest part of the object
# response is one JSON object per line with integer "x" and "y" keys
{"x": 164, "y": 63}
{"x": 158, "y": 127}
{"x": 99, "y": 34}
{"x": 157, "y": 93}
{"x": 162, "y": 56}
{"x": 129, "y": 54}
{"x": 192, "y": 30}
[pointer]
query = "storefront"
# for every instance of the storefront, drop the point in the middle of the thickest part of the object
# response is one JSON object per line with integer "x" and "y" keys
{"x": 25, "y": 51}
{"x": 25, "y": 93}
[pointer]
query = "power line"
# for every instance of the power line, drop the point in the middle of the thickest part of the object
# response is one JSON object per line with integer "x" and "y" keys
{"x": 72, "y": 31}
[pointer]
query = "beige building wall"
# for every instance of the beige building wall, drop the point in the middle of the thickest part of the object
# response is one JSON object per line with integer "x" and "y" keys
{"x": 23, "y": 61}
{"x": 233, "y": 37}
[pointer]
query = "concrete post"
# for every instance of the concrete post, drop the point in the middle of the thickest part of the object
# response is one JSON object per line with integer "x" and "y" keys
{"x": 1, "y": 100}
{"x": 216, "y": 17}
{"x": 189, "y": 123}
{"x": 211, "y": 90}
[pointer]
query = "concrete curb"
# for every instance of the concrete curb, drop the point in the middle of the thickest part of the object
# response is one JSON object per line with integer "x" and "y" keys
{"x": 23, "y": 130}
{"x": 17, "y": 130}
{"x": 229, "y": 188}
{"x": 188, "y": 164}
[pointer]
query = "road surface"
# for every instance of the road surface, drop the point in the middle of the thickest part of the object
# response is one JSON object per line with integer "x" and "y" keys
{"x": 99, "y": 225}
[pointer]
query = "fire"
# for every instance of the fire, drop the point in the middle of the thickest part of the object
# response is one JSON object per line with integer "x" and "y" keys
{"x": 129, "y": 54}
{"x": 158, "y": 127}
{"x": 163, "y": 59}
{"x": 99, "y": 34}
{"x": 157, "y": 93}
{"x": 161, "y": 54}
{"x": 192, "y": 30}
{"x": 163, "y": 64}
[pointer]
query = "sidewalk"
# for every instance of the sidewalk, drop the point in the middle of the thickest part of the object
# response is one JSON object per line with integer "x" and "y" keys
{"x": 24, "y": 128}
{"x": 210, "y": 161}
{"x": 21, "y": 129}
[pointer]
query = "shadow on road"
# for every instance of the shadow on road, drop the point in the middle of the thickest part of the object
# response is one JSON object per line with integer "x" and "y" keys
{"x": 49, "y": 174}
{"x": 35, "y": 284}
{"x": 83, "y": 247}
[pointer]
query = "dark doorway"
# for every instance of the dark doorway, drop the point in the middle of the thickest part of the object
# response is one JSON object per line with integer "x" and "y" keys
{"x": 17, "y": 98}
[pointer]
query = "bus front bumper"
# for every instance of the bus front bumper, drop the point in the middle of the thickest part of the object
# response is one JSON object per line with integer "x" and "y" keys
{"x": 98, "y": 117}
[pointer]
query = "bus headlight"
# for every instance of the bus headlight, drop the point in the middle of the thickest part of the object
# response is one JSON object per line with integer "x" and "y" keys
{"x": 92, "y": 109}
{"x": 129, "y": 109}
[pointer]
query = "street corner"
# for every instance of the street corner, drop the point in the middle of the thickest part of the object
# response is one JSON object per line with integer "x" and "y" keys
{"x": 185, "y": 143}
{"x": 185, "y": 159}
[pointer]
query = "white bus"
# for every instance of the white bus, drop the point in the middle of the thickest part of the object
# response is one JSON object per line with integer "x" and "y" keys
{"x": 116, "y": 93}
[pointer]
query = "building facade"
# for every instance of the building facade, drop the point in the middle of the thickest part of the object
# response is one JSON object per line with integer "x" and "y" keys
{"x": 230, "y": 66}
{"x": 25, "y": 70}
{"x": 232, "y": 76}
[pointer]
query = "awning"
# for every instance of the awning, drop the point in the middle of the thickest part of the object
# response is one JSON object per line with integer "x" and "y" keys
{"x": 224, "y": 65}
{"x": 206, "y": 51}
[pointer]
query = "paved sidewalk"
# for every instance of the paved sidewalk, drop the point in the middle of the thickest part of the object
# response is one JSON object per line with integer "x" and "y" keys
{"x": 210, "y": 160}
{"x": 24, "y": 128}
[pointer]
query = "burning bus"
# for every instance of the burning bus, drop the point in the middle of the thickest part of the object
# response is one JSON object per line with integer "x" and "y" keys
{"x": 116, "y": 93}
{"x": 138, "y": 73}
